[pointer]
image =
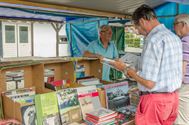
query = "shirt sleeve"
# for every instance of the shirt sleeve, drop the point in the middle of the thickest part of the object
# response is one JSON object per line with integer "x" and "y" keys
{"x": 151, "y": 62}
{"x": 115, "y": 54}
{"x": 90, "y": 48}
{"x": 185, "y": 48}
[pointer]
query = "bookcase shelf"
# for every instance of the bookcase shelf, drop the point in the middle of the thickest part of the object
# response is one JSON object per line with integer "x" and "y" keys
{"x": 34, "y": 75}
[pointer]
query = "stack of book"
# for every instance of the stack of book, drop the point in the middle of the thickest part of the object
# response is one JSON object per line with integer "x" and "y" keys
{"x": 89, "y": 80}
{"x": 101, "y": 116}
{"x": 24, "y": 95}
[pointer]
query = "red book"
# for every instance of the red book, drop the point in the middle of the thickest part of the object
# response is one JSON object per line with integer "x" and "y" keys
{"x": 102, "y": 114}
{"x": 100, "y": 121}
{"x": 57, "y": 83}
{"x": 50, "y": 79}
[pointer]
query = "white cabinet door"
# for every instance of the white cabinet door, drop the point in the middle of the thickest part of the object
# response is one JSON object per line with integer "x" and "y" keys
{"x": 16, "y": 39}
{"x": 9, "y": 40}
{"x": 24, "y": 40}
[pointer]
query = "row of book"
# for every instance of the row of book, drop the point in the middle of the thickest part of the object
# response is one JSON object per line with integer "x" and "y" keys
{"x": 55, "y": 108}
{"x": 72, "y": 105}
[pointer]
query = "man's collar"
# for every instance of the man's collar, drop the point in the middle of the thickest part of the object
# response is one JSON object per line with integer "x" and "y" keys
{"x": 100, "y": 42}
{"x": 156, "y": 28}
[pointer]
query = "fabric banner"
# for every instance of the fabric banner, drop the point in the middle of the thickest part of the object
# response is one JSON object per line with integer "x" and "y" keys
{"x": 118, "y": 36}
{"x": 179, "y": 1}
{"x": 80, "y": 34}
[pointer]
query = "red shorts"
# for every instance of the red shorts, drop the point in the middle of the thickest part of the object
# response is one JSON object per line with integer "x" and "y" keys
{"x": 157, "y": 109}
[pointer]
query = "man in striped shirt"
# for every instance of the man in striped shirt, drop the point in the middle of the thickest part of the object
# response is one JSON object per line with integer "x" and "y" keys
{"x": 181, "y": 26}
{"x": 160, "y": 70}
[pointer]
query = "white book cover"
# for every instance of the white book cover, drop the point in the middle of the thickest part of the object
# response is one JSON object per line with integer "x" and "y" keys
{"x": 20, "y": 93}
{"x": 89, "y": 81}
{"x": 131, "y": 59}
{"x": 88, "y": 99}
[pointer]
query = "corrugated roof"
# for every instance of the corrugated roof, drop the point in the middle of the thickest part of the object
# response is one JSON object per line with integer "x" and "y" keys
{"x": 106, "y": 8}
{"x": 115, "y": 6}
{"x": 19, "y": 14}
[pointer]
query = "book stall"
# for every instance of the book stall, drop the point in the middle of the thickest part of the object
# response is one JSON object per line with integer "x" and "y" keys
{"x": 63, "y": 91}
{"x": 46, "y": 77}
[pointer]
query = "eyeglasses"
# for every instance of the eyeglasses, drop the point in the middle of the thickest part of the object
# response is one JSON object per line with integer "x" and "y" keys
{"x": 175, "y": 23}
{"x": 108, "y": 31}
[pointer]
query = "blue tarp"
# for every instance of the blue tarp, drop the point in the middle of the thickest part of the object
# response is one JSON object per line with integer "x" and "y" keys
{"x": 179, "y": 1}
{"x": 80, "y": 34}
{"x": 83, "y": 33}
{"x": 167, "y": 12}
{"x": 20, "y": 14}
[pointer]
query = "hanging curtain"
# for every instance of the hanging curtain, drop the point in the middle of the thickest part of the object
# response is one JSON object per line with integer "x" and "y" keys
{"x": 80, "y": 34}
{"x": 118, "y": 35}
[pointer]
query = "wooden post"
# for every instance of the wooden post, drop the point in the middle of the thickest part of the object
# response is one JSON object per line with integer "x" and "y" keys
{"x": 57, "y": 27}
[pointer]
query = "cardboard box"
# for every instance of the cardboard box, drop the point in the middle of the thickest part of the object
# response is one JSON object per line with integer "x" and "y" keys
{"x": 102, "y": 97}
{"x": 93, "y": 67}
{"x": 63, "y": 70}
{"x": 32, "y": 74}
{"x": 12, "y": 109}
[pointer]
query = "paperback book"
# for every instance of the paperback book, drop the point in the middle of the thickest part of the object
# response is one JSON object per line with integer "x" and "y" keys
{"x": 28, "y": 115}
{"x": 47, "y": 109}
{"x": 68, "y": 104}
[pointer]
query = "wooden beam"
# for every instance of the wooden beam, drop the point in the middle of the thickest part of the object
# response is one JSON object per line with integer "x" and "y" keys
{"x": 57, "y": 28}
{"x": 66, "y": 8}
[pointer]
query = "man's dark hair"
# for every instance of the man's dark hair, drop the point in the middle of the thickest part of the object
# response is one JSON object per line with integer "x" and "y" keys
{"x": 144, "y": 11}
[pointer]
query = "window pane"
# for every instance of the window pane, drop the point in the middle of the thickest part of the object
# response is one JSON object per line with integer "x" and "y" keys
{"x": 23, "y": 34}
{"x": 9, "y": 34}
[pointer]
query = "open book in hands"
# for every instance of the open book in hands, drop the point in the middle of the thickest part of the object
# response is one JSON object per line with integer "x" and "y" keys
{"x": 114, "y": 64}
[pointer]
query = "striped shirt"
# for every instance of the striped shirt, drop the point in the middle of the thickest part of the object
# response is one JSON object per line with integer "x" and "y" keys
{"x": 185, "y": 46}
{"x": 161, "y": 60}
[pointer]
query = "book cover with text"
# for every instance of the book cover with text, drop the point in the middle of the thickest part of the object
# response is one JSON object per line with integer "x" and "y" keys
{"x": 47, "y": 109}
{"x": 68, "y": 104}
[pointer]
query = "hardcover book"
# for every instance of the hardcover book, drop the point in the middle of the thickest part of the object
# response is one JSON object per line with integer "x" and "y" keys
{"x": 101, "y": 116}
{"x": 102, "y": 113}
{"x": 88, "y": 99}
{"x": 68, "y": 104}
{"x": 117, "y": 95}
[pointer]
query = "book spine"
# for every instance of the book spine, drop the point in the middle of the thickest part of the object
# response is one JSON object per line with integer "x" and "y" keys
{"x": 38, "y": 109}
